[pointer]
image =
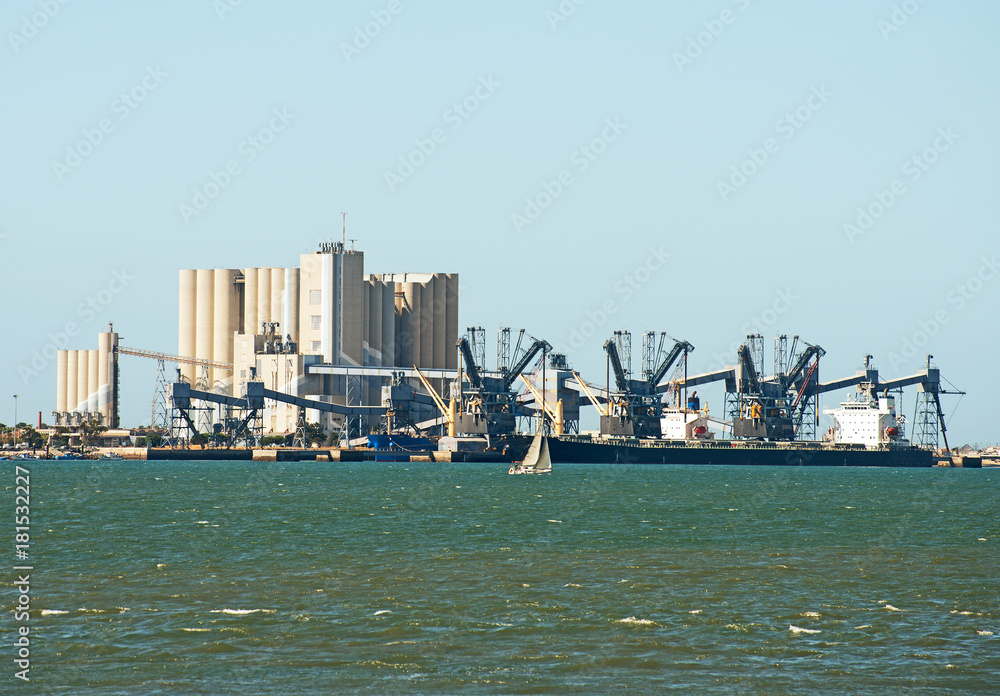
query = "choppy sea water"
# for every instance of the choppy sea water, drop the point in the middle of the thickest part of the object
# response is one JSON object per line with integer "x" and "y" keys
{"x": 320, "y": 578}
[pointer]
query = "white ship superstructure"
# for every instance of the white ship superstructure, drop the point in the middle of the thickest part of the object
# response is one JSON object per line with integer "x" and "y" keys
{"x": 869, "y": 420}
{"x": 684, "y": 424}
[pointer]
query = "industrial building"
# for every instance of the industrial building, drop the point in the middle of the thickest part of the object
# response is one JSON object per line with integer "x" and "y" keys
{"x": 273, "y": 324}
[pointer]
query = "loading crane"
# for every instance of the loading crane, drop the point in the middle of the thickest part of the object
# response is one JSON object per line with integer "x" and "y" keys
{"x": 489, "y": 405}
{"x": 773, "y": 408}
{"x": 634, "y": 410}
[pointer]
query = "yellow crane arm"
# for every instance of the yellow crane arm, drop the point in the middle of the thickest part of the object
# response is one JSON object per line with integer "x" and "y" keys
{"x": 538, "y": 397}
{"x": 586, "y": 390}
{"x": 434, "y": 395}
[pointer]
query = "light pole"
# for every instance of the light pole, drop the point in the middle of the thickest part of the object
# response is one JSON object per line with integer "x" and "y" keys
{"x": 15, "y": 422}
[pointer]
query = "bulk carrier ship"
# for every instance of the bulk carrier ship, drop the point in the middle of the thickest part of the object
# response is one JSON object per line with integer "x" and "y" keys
{"x": 866, "y": 432}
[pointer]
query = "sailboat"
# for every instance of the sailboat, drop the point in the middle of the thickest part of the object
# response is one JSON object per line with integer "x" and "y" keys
{"x": 537, "y": 460}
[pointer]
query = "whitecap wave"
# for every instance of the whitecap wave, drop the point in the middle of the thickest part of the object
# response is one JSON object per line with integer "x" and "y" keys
{"x": 634, "y": 620}
{"x": 50, "y": 612}
{"x": 383, "y": 611}
{"x": 241, "y": 612}
{"x": 797, "y": 629}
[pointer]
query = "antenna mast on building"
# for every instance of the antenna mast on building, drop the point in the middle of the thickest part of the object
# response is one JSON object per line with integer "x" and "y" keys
{"x": 345, "y": 231}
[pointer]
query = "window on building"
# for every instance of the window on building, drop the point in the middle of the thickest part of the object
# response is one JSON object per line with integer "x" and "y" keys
{"x": 315, "y": 297}
{"x": 317, "y": 346}
{"x": 315, "y": 322}
{"x": 243, "y": 374}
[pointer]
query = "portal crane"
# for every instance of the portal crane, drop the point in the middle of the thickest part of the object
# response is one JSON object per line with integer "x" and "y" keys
{"x": 767, "y": 408}
{"x": 635, "y": 409}
{"x": 489, "y": 405}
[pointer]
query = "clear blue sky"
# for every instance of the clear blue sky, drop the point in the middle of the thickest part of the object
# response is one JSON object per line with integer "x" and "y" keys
{"x": 623, "y": 122}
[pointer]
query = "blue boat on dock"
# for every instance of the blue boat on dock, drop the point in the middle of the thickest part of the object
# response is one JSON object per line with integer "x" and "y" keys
{"x": 398, "y": 448}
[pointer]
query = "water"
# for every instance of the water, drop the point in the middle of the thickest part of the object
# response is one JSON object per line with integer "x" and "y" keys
{"x": 309, "y": 578}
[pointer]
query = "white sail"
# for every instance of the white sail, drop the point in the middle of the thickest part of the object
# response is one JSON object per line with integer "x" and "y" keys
{"x": 537, "y": 460}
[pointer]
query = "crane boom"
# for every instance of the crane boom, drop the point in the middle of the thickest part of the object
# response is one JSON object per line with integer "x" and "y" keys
{"x": 438, "y": 401}
{"x": 807, "y": 355}
{"x": 174, "y": 358}
{"x": 661, "y": 371}
{"x": 471, "y": 368}
{"x": 749, "y": 371}
{"x": 616, "y": 365}
{"x": 588, "y": 392}
{"x": 538, "y": 398}
{"x": 522, "y": 363}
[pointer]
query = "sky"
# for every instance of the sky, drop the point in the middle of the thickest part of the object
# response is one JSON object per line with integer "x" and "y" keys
{"x": 707, "y": 169}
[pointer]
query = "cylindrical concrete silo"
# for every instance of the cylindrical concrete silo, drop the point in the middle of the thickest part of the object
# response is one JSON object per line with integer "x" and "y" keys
{"x": 263, "y": 297}
{"x": 277, "y": 285}
{"x": 205, "y": 336}
{"x": 290, "y": 305}
{"x": 72, "y": 380}
{"x": 188, "y": 317}
{"x": 440, "y": 306}
{"x": 82, "y": 379}
{"x": 93, "y": 379}
{"x": 389, "y": 324}
{"x": 411, "y": 324}
{"x": 61, "y": 381}
{"x": 374, "y": 322}
{"x": 104, "y": 348}
{"x": 251, "y": 324}
{"x": 451, "y": 320}
{"x": 427, "y": 324}
{"x": 227, "y": 307}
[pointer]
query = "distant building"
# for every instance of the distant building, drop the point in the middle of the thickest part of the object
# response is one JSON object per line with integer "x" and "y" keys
{"x": 276, "y": 322}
